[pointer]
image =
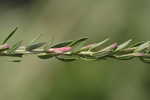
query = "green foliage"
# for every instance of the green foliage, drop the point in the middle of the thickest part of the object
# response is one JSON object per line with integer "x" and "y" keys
{"x": 72, "y": 50}
{"x": 10, "y": 35}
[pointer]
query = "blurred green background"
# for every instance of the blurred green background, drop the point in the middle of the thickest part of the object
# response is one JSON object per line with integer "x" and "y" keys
{"x": 60, "y": 20}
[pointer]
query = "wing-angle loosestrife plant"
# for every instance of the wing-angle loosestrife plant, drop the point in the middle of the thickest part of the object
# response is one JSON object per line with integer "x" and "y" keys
{"x": 77, "y": 49}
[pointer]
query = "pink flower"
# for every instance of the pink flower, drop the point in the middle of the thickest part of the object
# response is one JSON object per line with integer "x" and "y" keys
{"x": 4, "y": 46}
{"x": 60, "y": 50}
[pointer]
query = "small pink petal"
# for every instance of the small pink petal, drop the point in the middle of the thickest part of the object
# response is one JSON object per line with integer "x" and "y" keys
{"x": 6, "y": 46}
{"x": 60, "y": 50}
{"x": 64, "y": 49}
{"x": 115, "y": 45}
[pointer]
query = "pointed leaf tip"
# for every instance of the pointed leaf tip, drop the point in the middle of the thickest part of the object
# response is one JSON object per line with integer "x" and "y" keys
{"x": 123, "y": 45}
{"x": 34, "y": 46}
{"x": 142, "y": 46}
{"x": 76, "y": 42}
{"x": 10, "y": 35}
{"x": 99, "y": 44}
{"x": 14, "y": 47}
{"x": 62, "y": 44}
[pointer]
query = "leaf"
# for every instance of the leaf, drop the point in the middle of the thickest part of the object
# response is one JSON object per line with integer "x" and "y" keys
{"x": 128, "y": 56}
{"x": 10, "y": 35}
{"x": 123, "y": 57}
{"x": 35, "y": 39}
{"x": 144, "y": 60}
{"x": 98, "y": 44}
{"x": 76, "y": 42}
{"x": 63, "y": 44}
{"x": 137, "y": 44}
{"x": 15, "y": 61}
{"x": 123, "y": 45}
{"x": 34, "y": 46}
{"x": 13, "y": 55}
{"x": 101, "y": 55}
{"x": 14, "y": 47}
{"x": 78, "y": 47}
{"x": 109, "y": 48}
{"x": 4, "y": 47}
{"x": 47, "y": 46}
{"x": 142, "y": 47}
{"x": 45, "y": 56}
{"x": 65, "y": 58}
{"x": 88, "y": 58}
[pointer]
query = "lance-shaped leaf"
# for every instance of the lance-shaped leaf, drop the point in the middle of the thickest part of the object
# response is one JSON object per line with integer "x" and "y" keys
{"x": 35, "y": 39}
{"x": 76, "y": 42}
{"x": 4, "y": 47}
{"x": 110, "y": 48}
{"x": 145, "y": 60}
{"x": 93, "y": 46}
{"x": 77, "y": 48}
{"x": 18, "y": 60}
{"x": 142, "y": 47}
{"x": 47, "y": 46}
{"x": 35, "y": 46}
{"x": 101, "y": 55}
{"x": 137, "y": 44}
{"x": 98, "y": 44}
{"x": 14, "y": 47}
{"x": 66, "y": 58}
{"x": 9, "y": 36}
{"x": 129, "y": 56}
{"x": 123, "y": 45}
{"x": 88, "y": 58}
{"x": 63, "y": 44}
{"x": 45, "y": 56}
{"x": 123, "y": 57}
{"x": 12, "y": 55}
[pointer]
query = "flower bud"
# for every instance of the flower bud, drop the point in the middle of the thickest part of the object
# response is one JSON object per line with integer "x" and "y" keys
{"x": 59, "y": 50}
{"x": 4, "y": 46}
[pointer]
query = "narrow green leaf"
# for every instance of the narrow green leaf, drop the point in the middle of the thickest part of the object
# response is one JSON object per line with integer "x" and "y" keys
{"x": 15, "y": 61}
{"x": 13, "y": 55}
{"x": 78, "y": 47}
{"x": 145, "y": 60}
{"x": 123, "y": 45}
{"x": 109, "y": 48}
{"x": 35, "y": 39}
{"x": 35, "y": 46}
{"x": 142, "y": 47}
{"x": 4, "y": 47}
{"x": 9, "y": 36}
{"x": 128, "y": 56}
{"x": 137, "y": 44}
{"x": 123, "y": 57}
{"x": 14, "y": 47}
{"x": 63, "y": 44}
{"x": 101, "y": 55}
{"x": 98, "y": 44}
{"x": 76, "y": 42}
{"x": 65, "y": 58}
{"x": 45, "y": 56}
{"x": 88, "y": 58}
{"x": 47, "y": 46}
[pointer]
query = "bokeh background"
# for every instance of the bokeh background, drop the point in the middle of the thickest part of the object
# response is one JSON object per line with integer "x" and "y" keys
{"x": 60, "y": 20}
